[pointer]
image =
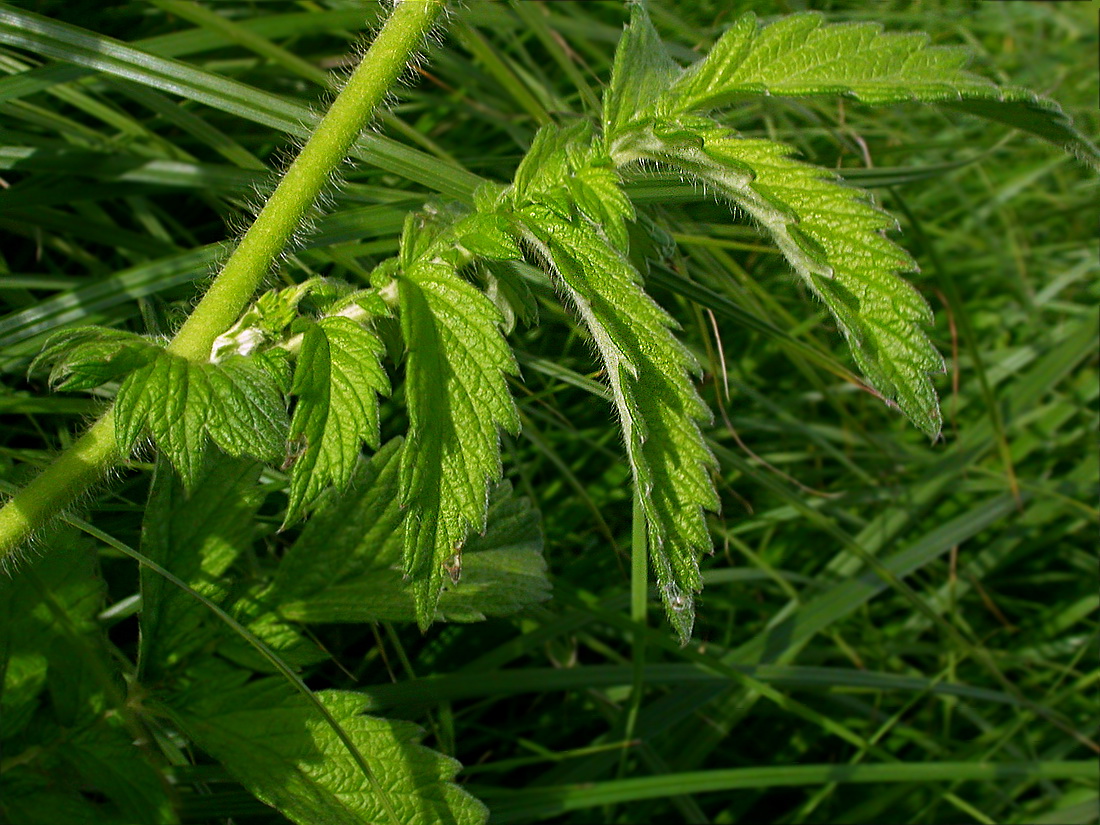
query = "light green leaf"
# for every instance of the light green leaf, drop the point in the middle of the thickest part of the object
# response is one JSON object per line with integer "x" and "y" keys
{"x": 336, "y": 381}
{"x": 833, "y": 237}
{"x": 799, "y": 55}
{"x": 648, "y": 374}
{"x": 236, "y": 402}
{"x": 346, "y": 565}
{"x": 641, "y": 74}
{"x": 279, "y": 747}
{"x": 248, "y": 417}
{"x": 196, "y": 537}
{"x": 458, "y": 401}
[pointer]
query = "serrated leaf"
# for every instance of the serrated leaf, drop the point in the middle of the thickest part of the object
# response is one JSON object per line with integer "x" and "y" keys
{"x": 346, "y": 565}
{"x": 336, "y": 382}
{"x": 799, "y": 55}
{"x": 249, "y": 415}
{"x": 196, "y": 537}
{"x": 458, "y": 402}
{"x": 236, "y": 403}
{"x": 278, "y": 746}
{"x": 87, "y": 357}
{"x": 659, "y": 410}
{"x": 834, "y": 238}
{"x": 641, "y": 73}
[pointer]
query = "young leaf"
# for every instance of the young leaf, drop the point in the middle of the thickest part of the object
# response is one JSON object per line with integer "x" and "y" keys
{"x": 640, "y": 75}
{"x": 279, "y": 747}
{"x": 458, "y": 401}
{"x": 336, "y": 381}
{"x": 798, "y": 55}
{"x": 648, "y": 373}
{"x": 834, "y": 239}
{"x": 235, "y": 402}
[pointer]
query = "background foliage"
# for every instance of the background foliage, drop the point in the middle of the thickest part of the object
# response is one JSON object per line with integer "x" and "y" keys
{"x": 884, "y": 619}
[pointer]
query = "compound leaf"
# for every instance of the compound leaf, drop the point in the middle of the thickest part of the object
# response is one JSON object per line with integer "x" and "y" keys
{"x": 55, "y": 704}
{"x": 183, "y": 405}
{"x": 641, "y": 74}
{"x": 346, "y": 565}
{"x": 196, "y": 537}
{"x": 87, "y": 357}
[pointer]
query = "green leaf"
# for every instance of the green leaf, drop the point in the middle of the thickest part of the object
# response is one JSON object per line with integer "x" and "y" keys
{"x": 458, "y": 401}
{"x": 346, "y": 565}
{"x": 834, "y": 238}
{"x": 799, "y": 55}
{"x": 196, "y": 537}
{"x": 336, "y": 382}
{"x": 641, "y": 74}
{"x": 236, "y": 403}
{"x": 54, "y": 672}
{"x": 87, "y": 357}
{"x": 648, "y": 374}
{"x": 277, "y": 745}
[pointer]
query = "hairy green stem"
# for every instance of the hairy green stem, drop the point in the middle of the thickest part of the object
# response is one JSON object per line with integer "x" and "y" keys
{"x": 89, "y": 459}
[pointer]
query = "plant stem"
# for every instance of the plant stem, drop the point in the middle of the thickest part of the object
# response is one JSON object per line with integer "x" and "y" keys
{"x": 88, "y": 460}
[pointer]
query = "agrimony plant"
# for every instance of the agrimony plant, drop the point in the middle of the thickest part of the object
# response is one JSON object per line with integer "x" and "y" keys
{"x": 567, "y": 212}
{"x": 294, "y": 380}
